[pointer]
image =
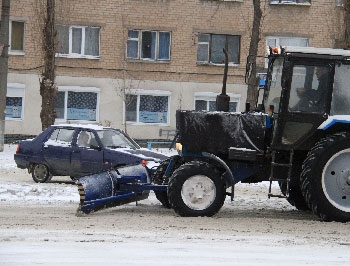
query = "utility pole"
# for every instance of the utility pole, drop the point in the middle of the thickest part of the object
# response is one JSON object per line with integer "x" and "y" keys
{"x": 4, "y": 45}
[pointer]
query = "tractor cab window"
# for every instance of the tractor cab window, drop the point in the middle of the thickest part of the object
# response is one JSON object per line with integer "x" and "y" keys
{"x": 309, "y": 88}
{"x": 273, "y": 87}
{"x": 341, "y": 93}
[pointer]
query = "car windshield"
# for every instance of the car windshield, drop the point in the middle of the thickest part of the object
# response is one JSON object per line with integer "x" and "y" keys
{"x": 114, "y": 139}
{"x": 273, "y": 88}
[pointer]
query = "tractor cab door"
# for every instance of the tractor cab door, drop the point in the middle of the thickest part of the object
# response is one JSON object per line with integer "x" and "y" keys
{"x": 306, "y": 91}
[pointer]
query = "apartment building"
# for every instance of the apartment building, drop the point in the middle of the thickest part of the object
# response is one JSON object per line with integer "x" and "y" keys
{"x": 131, "y": 64}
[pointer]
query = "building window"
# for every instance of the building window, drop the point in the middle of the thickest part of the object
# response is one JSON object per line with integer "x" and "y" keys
{"x": 75, "y": 104}
{"x": 285, "y": 2}
{"x": 14, "y": 107}
{"x": 274, "y": 41}
{"x": 287, "y": 41}
{"x": 78, "y": 41}
{"x": 148, "y": 45}
{"x": 206, "y": 101}
{"x": 14, "y": 101}
{"x": 147, "y": 107}
{"x": 16, "y": 37}
{"x": 210, "y": 48}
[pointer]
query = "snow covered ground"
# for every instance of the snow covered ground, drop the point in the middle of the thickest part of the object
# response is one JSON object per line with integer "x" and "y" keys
{"x": 39, "y": 226}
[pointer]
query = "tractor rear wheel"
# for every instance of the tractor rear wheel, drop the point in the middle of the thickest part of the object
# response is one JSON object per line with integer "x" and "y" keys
{"x": 295, "y": 197}
{"x": 325, "y": 178}
{"x": 196, "y": 189}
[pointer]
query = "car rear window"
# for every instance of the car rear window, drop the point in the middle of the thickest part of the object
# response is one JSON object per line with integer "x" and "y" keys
{"x": 61, "y": 137}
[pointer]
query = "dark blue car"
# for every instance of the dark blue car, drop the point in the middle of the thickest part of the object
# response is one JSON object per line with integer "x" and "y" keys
{"x": 78, "y": 150}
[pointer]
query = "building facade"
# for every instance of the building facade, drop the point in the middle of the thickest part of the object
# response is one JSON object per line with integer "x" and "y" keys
{"x": 131, "y": 64}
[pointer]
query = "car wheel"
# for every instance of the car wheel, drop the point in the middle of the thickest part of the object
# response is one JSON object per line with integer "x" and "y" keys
{"x": 41, "y": 173}
{"x": 196, "y": 189}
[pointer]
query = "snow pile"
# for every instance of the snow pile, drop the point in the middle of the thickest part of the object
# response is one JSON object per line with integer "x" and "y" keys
{"x": 38, "y": 192}
{"x": 6, "y": 157}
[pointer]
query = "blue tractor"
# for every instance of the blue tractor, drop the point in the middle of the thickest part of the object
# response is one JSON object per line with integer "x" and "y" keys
{"x": 299, "y": 135}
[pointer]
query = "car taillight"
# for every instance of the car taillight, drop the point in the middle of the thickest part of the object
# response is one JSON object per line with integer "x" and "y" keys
{"x": 17, "y": 150}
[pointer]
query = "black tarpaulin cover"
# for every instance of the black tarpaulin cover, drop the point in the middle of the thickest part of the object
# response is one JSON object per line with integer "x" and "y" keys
{"x": 215, "y": 132}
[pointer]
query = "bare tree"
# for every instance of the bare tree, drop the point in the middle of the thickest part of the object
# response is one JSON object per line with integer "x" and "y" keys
{"x": 127, "y": 82}
{"x": 4, "y": 44}
{"x": 48, "y": 89}
{"x": 253, "y": 52}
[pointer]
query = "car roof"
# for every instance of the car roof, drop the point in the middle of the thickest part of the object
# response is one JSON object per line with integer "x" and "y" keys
{"x": 87, "y": 126}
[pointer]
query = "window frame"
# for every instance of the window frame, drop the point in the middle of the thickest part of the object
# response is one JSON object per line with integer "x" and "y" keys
{"x": 16, "y": 90}
{"x": 16, "y": 52}
{"x": 139, "y": 93}
{"x": 67, "y": 89}
{"x": 139, "y": 46}
{"x": 82, "y": 44}
{"x": 290, "y": 2}
{"x": 211, "y": 96}
{"x": 209, "y": 44}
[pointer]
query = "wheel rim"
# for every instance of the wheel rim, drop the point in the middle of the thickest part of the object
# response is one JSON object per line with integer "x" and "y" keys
{"x": 40, "y": 172}
{"x": 336, "y": 180}
{"x": 198, "y": 192}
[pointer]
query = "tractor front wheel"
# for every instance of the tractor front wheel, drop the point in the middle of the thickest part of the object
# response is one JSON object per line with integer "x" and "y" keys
{"x": 160, "y": 179}
{"x": 196, "y": 189}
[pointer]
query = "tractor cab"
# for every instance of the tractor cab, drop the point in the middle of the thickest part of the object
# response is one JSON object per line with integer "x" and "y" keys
{"x": 305, "y": 86}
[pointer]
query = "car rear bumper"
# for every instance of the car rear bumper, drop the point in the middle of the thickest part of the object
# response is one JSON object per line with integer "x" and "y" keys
{"x": 21, "y": 161}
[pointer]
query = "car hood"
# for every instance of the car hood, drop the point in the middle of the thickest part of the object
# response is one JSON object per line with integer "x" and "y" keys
{"x": 147, "y": 154}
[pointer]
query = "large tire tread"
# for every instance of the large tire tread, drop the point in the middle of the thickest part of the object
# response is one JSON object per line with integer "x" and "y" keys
{"x": 158, "y": 178}
{"x": 295, "y": 197}
{"x": 311, "y": 176}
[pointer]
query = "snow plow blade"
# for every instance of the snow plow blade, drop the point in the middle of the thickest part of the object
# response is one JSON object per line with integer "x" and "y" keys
{"x": 107, "y": 189}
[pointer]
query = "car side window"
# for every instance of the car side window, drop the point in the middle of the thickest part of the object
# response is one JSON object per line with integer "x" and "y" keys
{"x": 61, "y": 137}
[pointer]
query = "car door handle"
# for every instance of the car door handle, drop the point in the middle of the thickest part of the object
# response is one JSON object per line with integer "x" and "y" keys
{"x": 76, "y": 151}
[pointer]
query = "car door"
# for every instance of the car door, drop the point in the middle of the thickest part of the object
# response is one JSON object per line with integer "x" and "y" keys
{"x": 87, "y": 157}
{"x": 57, "y": 151}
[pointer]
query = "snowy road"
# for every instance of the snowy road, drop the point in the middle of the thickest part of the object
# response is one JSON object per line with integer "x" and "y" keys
{"x": 39, "y": 226}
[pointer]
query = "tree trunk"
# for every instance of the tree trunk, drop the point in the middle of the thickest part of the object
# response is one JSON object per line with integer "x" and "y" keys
{"x": 346, "y": 43}
{"x": 48, "y": 89}
{"x": 4, "y": 44}
{"x": 252, "y": 93}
